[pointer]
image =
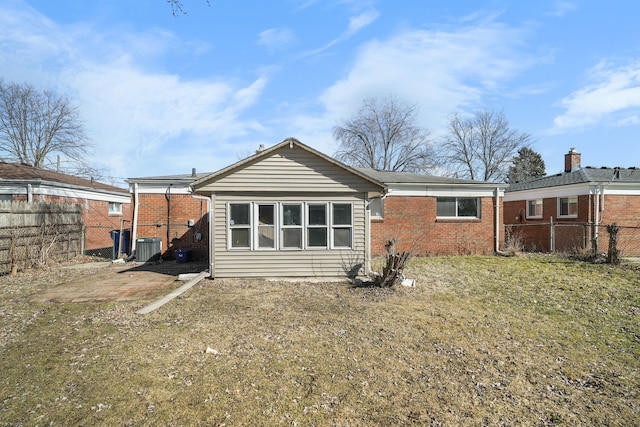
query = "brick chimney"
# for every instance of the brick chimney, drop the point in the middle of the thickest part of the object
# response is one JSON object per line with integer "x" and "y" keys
{"x": 571, "y": 161}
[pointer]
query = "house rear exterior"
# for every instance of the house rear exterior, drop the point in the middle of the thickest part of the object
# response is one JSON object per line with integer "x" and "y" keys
{"x": 579, "y": 202}
{"x": 288, "y": 211}
{"x": 295, "y": 212}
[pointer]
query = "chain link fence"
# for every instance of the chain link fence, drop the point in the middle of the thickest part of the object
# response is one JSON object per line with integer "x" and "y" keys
{"x": 571, "y": 238}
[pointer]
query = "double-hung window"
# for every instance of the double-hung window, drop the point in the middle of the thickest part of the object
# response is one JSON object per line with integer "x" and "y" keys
{"x": 266, "y": 214}
{"x": 458, "y": 207}
{"x": 291, "y": 226}
{"x": 115, "y": 208}
{"x": 534, "y": 208}
{"x": 240, "y": 225}
{"x": 342, "y": 225}
{"x": 568, "y": 206}
{"x": 317, "y": 233}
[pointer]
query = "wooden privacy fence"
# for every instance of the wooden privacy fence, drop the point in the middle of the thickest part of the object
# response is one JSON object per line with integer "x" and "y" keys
{"x": 32, "y": 234}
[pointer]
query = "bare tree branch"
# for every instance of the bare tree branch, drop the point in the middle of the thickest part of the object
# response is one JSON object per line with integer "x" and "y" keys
{"x": 481, "y": 147}
{"x": 383, "y": 136}
{"x": 38, "y": 128}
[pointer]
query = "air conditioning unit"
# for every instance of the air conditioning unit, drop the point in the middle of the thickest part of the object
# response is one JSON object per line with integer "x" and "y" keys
{"x": 148, "y": 249}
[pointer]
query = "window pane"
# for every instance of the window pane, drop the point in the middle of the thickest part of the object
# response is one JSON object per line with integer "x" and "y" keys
{"x": 115, "y": 207}
{"x": 266, "y": 214}
{"x": 291, "y": 214}
{"x": 569, "y": 206}
{"x": 342, "y": 237}
{"x": 341, "y": 214}
{"x": 292, "y": 238}
{"x": 468, "y": 207}
{"x": 535, "y": 208}
{"x": 266, "y": 234}
{"x": 317, "y": 214}
{"x": 446, "y": 206}
{"x": 376, "y": 207}
{"x": 317, "y": 237}
{"x": 239, "y": 214}
{"x": 240, "y": 238}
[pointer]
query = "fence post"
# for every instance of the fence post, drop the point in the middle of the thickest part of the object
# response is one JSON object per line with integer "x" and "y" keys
{"x": 552, "y": 235}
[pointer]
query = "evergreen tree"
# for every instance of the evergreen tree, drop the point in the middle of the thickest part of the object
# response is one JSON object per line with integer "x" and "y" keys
{"x": 525, "y": 166}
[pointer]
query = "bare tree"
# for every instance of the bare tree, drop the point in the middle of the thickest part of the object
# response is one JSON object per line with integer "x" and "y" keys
{"x": 481, "y": 147}
{"x": 384, "y": 136}
{"x": 39, "y": 128}
{"x": 177, "y": 8}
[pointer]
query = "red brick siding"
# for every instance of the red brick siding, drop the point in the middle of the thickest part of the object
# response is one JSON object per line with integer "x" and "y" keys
{"x": 95, "y": 216}
{"x": 623, "y": 210}
{"x": 412, "y": 220}
{"x": 153, "y": 222}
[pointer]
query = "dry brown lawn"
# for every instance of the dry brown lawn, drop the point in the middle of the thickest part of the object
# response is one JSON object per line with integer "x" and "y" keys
{"x": 531, "y": 340}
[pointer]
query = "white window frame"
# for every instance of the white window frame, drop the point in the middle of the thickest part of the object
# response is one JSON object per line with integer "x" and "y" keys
{"x": 256, "y": 227}
{"x": 114, "y": 208}
{"x": 538, "y": 202}
{"x": 308, "y": 226}
{"x": 335, "y": 226}
{"x": 456, "y": 216}
{"x": 569, "y": 203}
{"x": 376, "y": 208}
{"x": 231, "y": 227}
{"x": 284, "y": 227}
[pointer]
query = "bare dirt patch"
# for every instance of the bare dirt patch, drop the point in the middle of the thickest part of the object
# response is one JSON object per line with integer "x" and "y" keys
{"x": 118, "y": 282}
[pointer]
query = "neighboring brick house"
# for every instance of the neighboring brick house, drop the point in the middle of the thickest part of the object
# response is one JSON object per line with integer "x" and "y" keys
{"x": 579, "y": 202}
{"x": 165, "y": 209}
{"x": 105, "y": 208}
{"x": 428, "y": 215}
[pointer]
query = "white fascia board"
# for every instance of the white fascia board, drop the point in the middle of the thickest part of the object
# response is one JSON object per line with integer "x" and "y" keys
{"x": 444, "y": 191}
{"x": 75, "y": 193}
{"x": 161, "y": 188}
{"x": 549, "y": 192}
{"x": 621, "y": 188}
{"x": 80, "y": 194}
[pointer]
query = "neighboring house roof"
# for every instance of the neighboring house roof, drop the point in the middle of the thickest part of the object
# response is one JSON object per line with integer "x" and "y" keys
{"x": 584, "y": 175}
{"x": 187, "y": 178}
{"x": 19, "y": 173}
{"x": 389, "y": 178}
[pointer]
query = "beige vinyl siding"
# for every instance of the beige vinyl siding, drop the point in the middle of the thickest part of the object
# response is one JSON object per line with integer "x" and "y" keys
{"x": 286, "y": 263}
{"x": 290, "y": 169}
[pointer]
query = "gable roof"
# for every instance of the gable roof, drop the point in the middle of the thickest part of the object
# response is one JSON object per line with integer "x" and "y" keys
{"x": 291, "y": 142}
{"x": 585, "y": 175}
{"x": 21, "y": 173}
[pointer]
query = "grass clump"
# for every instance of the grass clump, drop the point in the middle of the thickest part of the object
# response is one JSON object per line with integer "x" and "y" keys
{"x": 529, "y": 340}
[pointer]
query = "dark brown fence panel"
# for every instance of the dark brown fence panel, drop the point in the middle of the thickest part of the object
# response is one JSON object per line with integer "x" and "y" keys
{"x": 32, "y": 234}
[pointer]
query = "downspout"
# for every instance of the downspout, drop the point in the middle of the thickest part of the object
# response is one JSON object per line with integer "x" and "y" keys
{"x": 599, "y": 193}
{"x": 497, "y": 220}
{"x": 29, "y": 193}
{"x": 210, "y": 247}
{"x": 134, "y": 226}
{"x": 167, "y": 196}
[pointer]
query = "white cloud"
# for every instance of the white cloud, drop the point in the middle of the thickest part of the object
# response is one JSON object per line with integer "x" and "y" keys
{"x": 562, "y": 7}
{"x": 439, "y": 70}
{"x": 275, "y": 39}
{"x": 134, "y": 115}
{"x": 611, "y": 90}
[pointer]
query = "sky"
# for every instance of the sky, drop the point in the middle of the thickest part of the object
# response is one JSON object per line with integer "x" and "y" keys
{"x": 161, "y": 94}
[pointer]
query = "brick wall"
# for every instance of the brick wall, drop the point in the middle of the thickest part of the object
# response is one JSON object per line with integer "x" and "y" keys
{"x": 153, "y": 221}
{"x": 621, "y": 209}
{"x": 95, "y": 216}
{"x": 412, "y": 220}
